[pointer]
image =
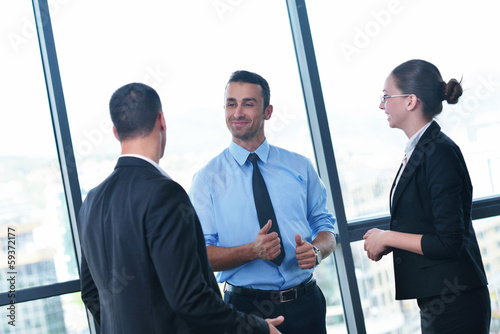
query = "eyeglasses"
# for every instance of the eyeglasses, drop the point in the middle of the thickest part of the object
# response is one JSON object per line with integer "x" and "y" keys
{"x": 383, "y": 98}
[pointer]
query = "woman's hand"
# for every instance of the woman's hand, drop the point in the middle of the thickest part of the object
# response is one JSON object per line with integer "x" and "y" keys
{"x": 376, "y": 244}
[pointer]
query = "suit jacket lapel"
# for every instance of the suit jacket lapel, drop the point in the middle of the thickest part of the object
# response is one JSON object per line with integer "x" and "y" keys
{"x": 392, "y": 187}
{"x": 416, "y": 159}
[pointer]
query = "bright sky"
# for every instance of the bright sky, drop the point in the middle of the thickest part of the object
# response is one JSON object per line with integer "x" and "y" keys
{"x": 187, "y": 50}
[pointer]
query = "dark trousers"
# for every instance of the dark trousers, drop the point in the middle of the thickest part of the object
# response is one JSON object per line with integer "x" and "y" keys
{"x": 466, "y": 312}
{"x": 303, "y": 315}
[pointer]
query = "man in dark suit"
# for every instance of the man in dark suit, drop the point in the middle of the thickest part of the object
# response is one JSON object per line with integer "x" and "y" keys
{"x": 144, "y": 266}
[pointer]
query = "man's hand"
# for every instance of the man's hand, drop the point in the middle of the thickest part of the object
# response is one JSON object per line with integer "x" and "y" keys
{"x": 273, "y": 323}
{"x": 304, "y": 253}
{"x": 267, "y": 246}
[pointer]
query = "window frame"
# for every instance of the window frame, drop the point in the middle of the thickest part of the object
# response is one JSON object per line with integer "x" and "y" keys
{"x": 348, "y": 231}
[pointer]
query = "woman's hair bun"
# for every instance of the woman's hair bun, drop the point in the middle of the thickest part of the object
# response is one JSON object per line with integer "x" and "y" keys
{"x": 452, "y": 91}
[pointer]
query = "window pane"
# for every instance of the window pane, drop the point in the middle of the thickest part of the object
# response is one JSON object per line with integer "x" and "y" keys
{"x": 327, "y": 279}
{"x": 55, "y": 315}
{"x": 383, "y": 314}
{"x": 187, "y": 53}
{"x": 376, "y": 285}
{"x": 357, "y": 45}
{"x": 31, "y": 191}
{"x": 488, "y": 236}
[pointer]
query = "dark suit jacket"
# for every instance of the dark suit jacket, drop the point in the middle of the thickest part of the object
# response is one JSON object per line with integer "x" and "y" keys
{"x": 434, "y": 198}
{"x": 144, "y": 262}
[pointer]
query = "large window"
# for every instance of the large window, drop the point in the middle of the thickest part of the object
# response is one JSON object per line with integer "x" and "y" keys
{"x": 35, "y": 233}
{"x": 357, "y": 45}
{"x": 186, "y": 51}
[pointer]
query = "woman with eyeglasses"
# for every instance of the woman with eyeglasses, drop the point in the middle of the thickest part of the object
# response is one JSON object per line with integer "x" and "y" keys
{"x": 435, "y": 251}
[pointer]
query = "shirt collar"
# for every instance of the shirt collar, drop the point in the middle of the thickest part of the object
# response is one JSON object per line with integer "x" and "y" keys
{"x": 148, "y": 160}
{"x": 410, "y": 146}
{"x": 240, "y": 154}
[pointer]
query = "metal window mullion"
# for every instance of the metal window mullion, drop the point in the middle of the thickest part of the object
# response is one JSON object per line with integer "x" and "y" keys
{"x": 481, "y": 208}
{"x": 60, "y": 124}
{"x": 325, "y": 159}
{"x": 59, "y": 117}
{"x": 40, "y": 292}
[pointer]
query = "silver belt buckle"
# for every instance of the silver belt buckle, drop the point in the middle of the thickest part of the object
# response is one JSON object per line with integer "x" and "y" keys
{"x": 282, "y": 297}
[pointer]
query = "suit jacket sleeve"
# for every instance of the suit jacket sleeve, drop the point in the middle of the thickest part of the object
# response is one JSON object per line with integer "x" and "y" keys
{"x": 90, "y": 295}
{"x": 179, "y": 255}
{"x": 447, "y": 178}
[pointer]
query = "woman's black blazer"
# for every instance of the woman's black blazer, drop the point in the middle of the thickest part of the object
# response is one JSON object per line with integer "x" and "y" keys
{"x": 434, "y": 198}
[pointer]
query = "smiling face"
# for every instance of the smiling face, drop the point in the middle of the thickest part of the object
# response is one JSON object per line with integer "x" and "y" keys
{"x": 395, "y": 107}
{"x": 245, "y": 114}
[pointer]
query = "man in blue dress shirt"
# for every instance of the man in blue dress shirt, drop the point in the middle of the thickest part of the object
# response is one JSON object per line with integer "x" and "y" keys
{"x": 238, "y": 247}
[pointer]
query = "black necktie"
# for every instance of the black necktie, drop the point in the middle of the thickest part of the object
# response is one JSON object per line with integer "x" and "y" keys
{"x": 263, "y": 204}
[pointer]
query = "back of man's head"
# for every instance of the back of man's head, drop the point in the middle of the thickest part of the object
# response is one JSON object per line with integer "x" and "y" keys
{"x": 134, "y": 109}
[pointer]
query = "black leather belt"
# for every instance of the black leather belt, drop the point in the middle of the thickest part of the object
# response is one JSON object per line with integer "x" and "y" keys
{"x": 281, "y": 296}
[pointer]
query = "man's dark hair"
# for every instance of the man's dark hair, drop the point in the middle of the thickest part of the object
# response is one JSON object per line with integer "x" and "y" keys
{"x": 134, "y": 108}
{"x": 253, "y": 78}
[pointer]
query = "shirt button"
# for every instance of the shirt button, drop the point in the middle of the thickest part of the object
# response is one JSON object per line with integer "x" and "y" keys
{"x": 395, "y": 223}
{"x": 398, "y": 260}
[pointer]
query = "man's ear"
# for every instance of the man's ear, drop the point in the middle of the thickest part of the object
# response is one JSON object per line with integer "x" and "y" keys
{"x": 163, "y": 124}
{"x": 115, "y": 133}
{"x": 268, "y": 112}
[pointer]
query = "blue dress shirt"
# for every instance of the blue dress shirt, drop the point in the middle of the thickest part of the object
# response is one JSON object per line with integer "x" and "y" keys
{"x": 223, "y": 198}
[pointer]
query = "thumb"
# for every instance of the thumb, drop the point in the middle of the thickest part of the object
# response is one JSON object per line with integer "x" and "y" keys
{"x": 266, "y": 227}
{"x": 298, "y": 240}
{"x": 275, "y": 321}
